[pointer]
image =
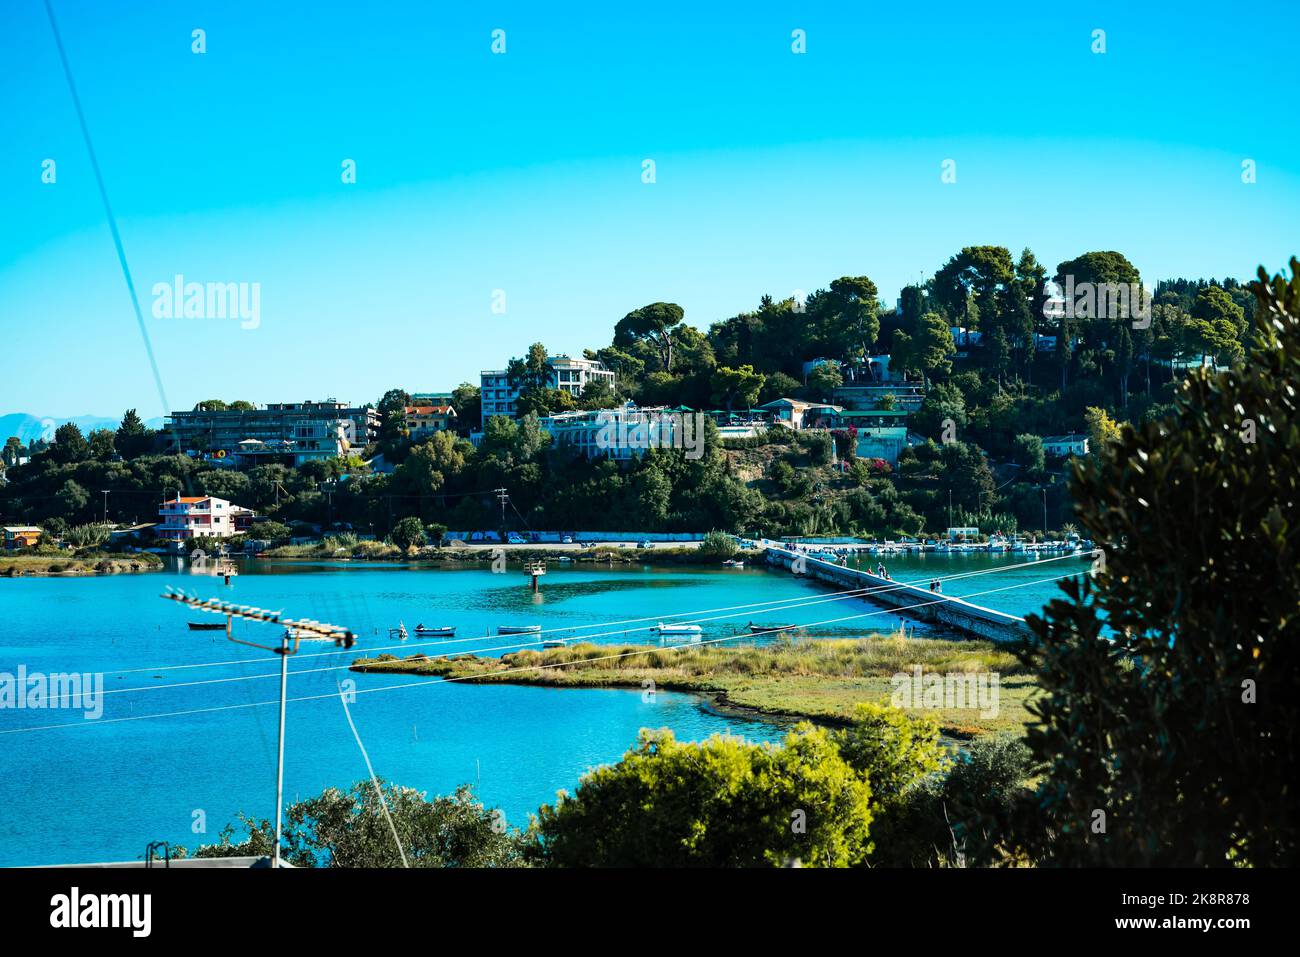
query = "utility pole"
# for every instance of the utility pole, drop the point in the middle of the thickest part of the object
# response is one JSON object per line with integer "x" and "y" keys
{"x": 294, "y": 632}
{"x": 105, "y": 491}
{"x": 1044, "y": 512}
{"x": 504, "y": 496}
{"x": 950, "y": 508}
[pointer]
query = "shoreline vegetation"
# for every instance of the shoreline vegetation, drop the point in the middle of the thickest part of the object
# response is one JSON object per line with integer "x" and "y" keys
{"x": 480, "y": 554}
{"x": 820, "y": 680}
{"x": 64, "y": 566}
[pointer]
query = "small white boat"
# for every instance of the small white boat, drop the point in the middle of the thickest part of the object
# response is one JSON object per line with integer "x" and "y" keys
{"x": 764, "y": 629}
{"x": 518, "y": 629}
{"x": 445, "y": 631}
{"x": 663, "y": 629}
{"x": 299, "y": 634}
{"x": 554, "y": 643}
{"x": 733, "y": 563}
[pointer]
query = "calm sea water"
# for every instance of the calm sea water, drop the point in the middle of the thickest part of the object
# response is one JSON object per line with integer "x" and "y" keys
{"x": 197, "y": 745}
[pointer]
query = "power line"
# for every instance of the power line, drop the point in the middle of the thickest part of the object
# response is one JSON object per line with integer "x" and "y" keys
{"x": 437, "y": 681}
{"x": 797, "y": 601}
{"x": 801, "y": 603}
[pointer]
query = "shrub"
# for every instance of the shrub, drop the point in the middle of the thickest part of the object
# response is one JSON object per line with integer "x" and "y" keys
{"x": 718, "y": 545}
{"x": 719, "y": 803}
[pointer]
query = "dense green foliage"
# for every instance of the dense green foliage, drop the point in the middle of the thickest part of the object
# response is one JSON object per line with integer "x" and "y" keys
{"x": 999, "y": 395}
{"x": 1172, "y": 739}
{"x": 719, "y": 803}
{"x": 350, "y": 829}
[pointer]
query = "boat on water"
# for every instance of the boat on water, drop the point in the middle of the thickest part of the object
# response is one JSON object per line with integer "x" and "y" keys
{"x": 300, "y": 634}
{"x": 733, "y": 563}
{"x": 400, "y": 632}
{"x": 518, "y": 629}
{"x": 761, "y": 629}
{"x": 554, "y": 643}
{"x": 207, "y": 625}
{"x": 443, "y": 631}
{"x": 663, "y": 629}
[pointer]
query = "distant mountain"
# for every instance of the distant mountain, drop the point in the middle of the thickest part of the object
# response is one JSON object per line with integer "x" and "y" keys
{"x": 29, "y": 427}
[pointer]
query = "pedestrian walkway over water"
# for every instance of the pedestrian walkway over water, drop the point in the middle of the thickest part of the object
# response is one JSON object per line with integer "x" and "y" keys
{"x": 912, "y": 600}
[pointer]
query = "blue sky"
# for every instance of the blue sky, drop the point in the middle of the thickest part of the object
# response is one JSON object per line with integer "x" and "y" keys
{"x": 522, "y": 172}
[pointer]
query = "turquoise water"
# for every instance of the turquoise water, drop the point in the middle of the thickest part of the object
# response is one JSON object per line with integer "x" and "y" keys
{"x": 102, "y": 789}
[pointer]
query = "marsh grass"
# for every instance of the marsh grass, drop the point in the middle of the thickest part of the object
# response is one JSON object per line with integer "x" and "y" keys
{"x": 796, "y": 677}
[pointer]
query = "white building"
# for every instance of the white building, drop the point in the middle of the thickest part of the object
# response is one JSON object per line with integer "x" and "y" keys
{"x": 187, "y": 518}
{"x": 623, "y": 433}
{"x": 564, "y": 372}
{"x": 1060, "y": 446}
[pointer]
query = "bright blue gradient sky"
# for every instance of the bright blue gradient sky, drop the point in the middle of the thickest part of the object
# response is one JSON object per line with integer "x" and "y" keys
{"x": 521, "y": 172}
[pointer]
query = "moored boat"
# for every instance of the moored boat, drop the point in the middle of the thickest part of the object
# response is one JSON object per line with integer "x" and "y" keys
{"x": 207, "y": 625}
{"x": 673, "y": 629}
{"x": 444, "y": 631}
{"x": 760, "y": 629}
{"x": 518, "y": 629}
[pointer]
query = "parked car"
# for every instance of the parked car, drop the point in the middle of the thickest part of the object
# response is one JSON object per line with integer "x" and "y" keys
{"x": 515, "y": 539}
{"x": 644, "y": 543}
{"x": 567, "y": 540}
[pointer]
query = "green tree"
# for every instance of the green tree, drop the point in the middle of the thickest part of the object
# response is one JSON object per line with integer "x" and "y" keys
{"x": 409, "y": 533}
{"x": 845, "y": 319}
{"x": 69, "y": 444}
{"x": 1027, "y": 452}
{"x": 1214, "y": 305}
{"x": 73, "y": 500}
{"x": 736, "y": 386}
{"x": 1186, "y": 635}
{"x": 823, "y": 379}
{"x": 544, "y": 401}
{"x": 271, "y": 531}
{"x": 929, "y": 351}
{"x": 1101, "y": 428}
{"x": 653, "y": 324}
{"x": 719, "y": 803}
{"x": 530, "y": 373}
{"x": 102, "y": 444}
{"x": 393, "y": 433}
{"x": 133, "y": 439}
{"x": 352, "y": 828}
{"x": 13, "y": 450}
{"x": 597, "y": 395}
{"x": 467, "y": 400}
{"x": 431, "y": 463}
{"x": 967, "y": 284}
{"x": 778, "y": 385}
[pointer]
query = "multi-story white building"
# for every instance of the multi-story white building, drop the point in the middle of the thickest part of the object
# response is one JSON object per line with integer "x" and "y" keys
{"x": 185, "y": 518}
{"x": 625, "y": 432}
{"x": 292, "y": 432}
{"x": 564, "y": 372}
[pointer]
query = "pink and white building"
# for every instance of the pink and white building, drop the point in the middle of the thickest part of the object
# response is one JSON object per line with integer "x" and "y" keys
{"x": 186, "y": 518}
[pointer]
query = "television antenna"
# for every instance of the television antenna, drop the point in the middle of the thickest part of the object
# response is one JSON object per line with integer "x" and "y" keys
{"x": 295, "y": 631}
